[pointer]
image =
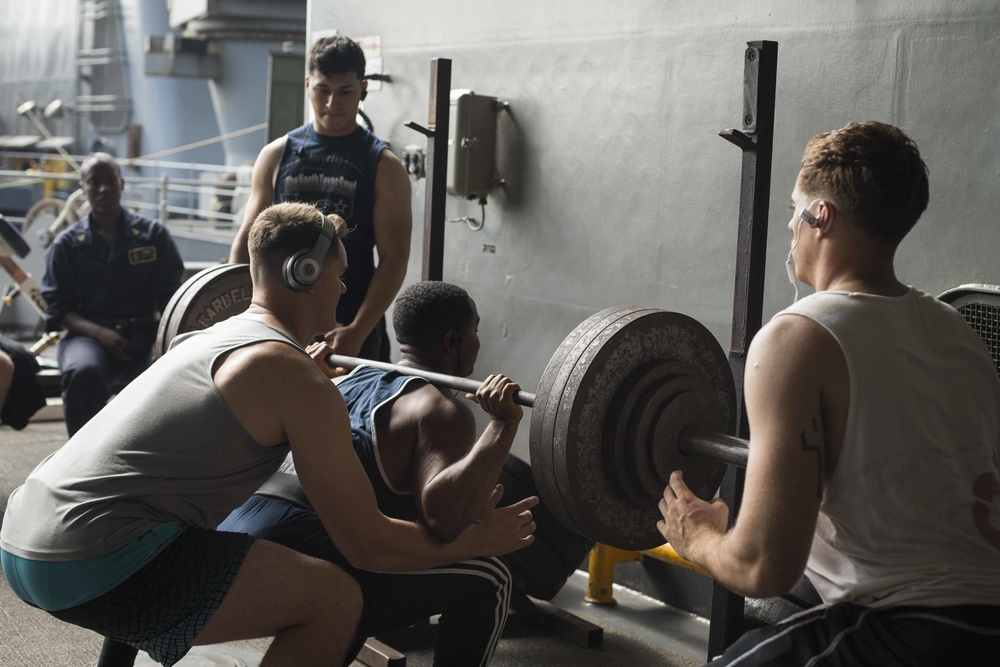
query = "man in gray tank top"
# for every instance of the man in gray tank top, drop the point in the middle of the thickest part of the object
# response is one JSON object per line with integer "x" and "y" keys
{"x": 874, "y": 440}
{"x": 115, "y": 531}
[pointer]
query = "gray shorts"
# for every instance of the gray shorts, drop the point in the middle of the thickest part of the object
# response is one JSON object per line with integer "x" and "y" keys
{"x": 161, "y": 608}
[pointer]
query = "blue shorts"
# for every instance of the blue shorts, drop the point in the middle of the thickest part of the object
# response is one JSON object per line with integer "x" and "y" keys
{"x": 54, "y": 585}
{"x": 162, "y": 607}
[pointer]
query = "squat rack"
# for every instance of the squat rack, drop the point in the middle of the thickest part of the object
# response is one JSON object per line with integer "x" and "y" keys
{"x": 756, "y": 141}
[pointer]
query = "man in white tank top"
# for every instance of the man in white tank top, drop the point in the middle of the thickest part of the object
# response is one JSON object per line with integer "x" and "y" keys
{"x": 873, "y": 410}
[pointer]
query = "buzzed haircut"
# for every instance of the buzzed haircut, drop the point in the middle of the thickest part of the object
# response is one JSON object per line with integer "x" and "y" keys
{"x": 874, "y": 172}
{"x": 337, "y": 55}
{"x": 425, "y": 311}
{"x": 99, "y": 158}
{"x": 282, "y": 229}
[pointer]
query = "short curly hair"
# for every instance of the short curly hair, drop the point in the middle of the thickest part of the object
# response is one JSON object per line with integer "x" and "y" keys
{"x": 99, "y": 158}
{"x": 336, "y": 55}
{"x": 425, "y": 311}
{"x": 874, "y": 172}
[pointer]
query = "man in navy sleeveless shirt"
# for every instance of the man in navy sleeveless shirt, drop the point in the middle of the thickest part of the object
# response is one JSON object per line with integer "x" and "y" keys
{"x": 341, "y": 167}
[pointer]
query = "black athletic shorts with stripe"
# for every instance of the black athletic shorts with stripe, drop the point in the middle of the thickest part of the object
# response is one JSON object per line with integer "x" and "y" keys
{"x": 472, "y": 597}
{"x": 849, "y": 635}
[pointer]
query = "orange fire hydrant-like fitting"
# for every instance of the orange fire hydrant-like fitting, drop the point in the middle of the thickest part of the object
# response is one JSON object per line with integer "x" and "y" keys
{"x": 668, "y": 554}
{"x": 603, "y": 558}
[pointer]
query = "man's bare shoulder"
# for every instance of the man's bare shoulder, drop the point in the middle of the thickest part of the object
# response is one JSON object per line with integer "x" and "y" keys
{"x": 270, "y": 155}
{"x": 795, "y": 360}
{"x": 268, "y": 368}
{"x": 269, "y": 386}
{"x": 431, "y": 407}
{"x": 387, "y": 157}
{"x": 390, "y": 170}
{"x": 791, "y": 337}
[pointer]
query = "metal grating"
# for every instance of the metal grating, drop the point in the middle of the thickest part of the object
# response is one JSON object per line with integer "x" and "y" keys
{"x": 985, "y": 321}
{"x": 980, "y": 306}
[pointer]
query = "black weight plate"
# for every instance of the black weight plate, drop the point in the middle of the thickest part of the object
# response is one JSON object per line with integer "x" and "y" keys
{"x": 592, "y": 374}
{"x": 209, "y": 296}
{"x": 541, "y": 422}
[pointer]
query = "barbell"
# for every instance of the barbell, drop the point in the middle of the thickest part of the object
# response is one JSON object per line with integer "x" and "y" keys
{"x": 629, "y": 396}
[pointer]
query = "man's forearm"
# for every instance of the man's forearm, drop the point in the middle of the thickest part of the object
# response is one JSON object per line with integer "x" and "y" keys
{"x": 386, "y": 281}
{"x": 741, "y": 571}
{"x": 78, "y": 324}
{"x": 411, "y": 547}
{"x": 456, "y": 497}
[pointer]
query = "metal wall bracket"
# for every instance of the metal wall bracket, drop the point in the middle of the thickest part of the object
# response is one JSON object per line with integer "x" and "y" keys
{"x": 756, "y": 141}
{"x": 413, "y": 125}
{"x": 432, "y": 267}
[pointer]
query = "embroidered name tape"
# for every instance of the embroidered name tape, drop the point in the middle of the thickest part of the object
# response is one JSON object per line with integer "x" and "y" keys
{"x": 143, "y": 255}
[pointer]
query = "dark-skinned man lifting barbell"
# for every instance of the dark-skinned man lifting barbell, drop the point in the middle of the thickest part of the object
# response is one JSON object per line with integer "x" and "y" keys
{"x": 418, "y": 445}
{"x": 115, "y": 531}
{"x": 874, "y": 440}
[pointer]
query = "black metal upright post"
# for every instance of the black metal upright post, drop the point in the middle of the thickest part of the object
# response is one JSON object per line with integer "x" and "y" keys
{"x": 432, "y": 267}
{"x": 756, "y": 139}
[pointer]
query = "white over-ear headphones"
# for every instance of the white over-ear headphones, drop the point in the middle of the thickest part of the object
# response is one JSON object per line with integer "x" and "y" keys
{"x": 303, "y": 268}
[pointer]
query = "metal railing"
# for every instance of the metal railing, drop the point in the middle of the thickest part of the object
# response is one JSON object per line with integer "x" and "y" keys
{"x": 183, "y": 195}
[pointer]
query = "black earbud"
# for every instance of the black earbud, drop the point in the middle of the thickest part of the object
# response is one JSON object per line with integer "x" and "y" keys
{"x": 455, "y": 342}
{"x": 364, "y": 93}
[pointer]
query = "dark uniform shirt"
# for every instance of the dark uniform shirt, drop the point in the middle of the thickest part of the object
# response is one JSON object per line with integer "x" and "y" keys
{"x": 133, "y": 278}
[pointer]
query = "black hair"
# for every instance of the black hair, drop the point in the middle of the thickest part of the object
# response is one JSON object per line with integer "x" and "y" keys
{"x": 425, "y": 311}
{"x": 337, "y": 55}
{"x": 100, "y": 158}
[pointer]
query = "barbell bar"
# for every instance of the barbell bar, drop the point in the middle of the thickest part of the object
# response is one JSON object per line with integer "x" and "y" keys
{"x": 726, "y": 448}
{"x": 692, "y": 441}
{"x": 437, "y": 379}
{"x": 629, "y": 396}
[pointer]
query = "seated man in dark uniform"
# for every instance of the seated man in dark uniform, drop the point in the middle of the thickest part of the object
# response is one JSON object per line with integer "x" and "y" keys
{"x": 106, "y": 279}
{"x": 418, "y": 446}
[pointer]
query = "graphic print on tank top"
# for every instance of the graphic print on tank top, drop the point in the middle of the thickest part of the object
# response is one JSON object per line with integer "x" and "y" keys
{"x": 310, "y": 182}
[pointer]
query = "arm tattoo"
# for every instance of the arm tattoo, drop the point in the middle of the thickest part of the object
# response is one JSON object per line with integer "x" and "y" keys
{"x": 806, "y": 447}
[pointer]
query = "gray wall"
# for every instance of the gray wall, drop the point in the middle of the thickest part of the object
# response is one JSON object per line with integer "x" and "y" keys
{"x": 619, "y": 189}
{"x": 38, "y": 43}
{"x": 173, "y": 111}
{"x": 32, "y": 68}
